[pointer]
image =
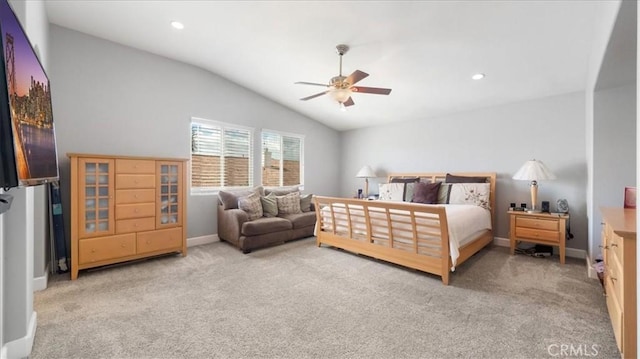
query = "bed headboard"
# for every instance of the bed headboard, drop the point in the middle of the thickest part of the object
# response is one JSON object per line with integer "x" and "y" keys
{"x": 432, "y": 177}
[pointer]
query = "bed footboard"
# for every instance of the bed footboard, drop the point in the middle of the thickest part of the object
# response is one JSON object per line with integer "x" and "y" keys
{"x": 411, "y": 235}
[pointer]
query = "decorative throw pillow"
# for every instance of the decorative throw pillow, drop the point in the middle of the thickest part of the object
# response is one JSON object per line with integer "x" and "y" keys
{"x": 409, "y": 190}
{"x": 408, "y": 186}
{"x": 289, "y": 203}
{"x": 252, "y": 205}
{"x": 269, "y": 205}
{"x": 463, "y": 179}
{"x": 391, "y": 191}
{"x": 426, "y": 192}
{"x": 281, "y": 191}
{"x": 470, "y": 193}
{"x": 305, "y": 202}
{"x": 229, "y": 199}
{"x": 443, "y": 193}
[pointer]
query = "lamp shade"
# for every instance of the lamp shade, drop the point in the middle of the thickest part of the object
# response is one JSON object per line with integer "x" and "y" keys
{"x": 366, "y": 172}
{"x": 534, "y": 170}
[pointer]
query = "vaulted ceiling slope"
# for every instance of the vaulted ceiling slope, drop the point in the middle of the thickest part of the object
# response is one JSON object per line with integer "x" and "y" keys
{"x": 426, "y": 51}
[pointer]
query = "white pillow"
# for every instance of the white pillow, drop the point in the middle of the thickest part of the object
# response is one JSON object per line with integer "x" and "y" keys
{"x": 391, "y": 191}
{"x": 470, "y": 193}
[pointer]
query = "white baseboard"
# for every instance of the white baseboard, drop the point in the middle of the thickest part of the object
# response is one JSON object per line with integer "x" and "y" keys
{"x": 40, "y": 283}
{"x": 197, "y": 241}
{"x": 590, "y": 270}
{"x": 21, "y": 348}
{"x": 570, "y": 252}
{"x": 3, "y": 352}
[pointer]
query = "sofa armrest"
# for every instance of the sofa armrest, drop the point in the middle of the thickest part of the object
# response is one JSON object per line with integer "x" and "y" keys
{"x": 230, "y": 223}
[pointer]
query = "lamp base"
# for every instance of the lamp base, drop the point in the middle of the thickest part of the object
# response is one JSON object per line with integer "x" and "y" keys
{"x": 534, "y": 211}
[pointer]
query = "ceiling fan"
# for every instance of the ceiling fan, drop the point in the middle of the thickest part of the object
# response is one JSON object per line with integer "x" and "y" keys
{"x": 341, "y": 88}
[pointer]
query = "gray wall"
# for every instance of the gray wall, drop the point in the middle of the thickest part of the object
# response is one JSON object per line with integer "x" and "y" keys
{"x": 23, "y": 227}
{"x": 614, "y": 155}
{"x": 497, "y": 139}
{"x": 112, "y": 99}
{"x": 613, "y": 164}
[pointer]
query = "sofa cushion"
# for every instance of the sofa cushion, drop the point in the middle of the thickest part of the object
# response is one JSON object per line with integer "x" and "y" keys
{"x": 252, "y": 205}
{"x": 281, "y": 191}
{"x": 300, "y": 220}
{"x": 229, "y": 199}
{"x": 265, "y": 225}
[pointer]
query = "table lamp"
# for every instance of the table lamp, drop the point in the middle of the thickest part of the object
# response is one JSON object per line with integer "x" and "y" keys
{"x": 366, "y": 172}
{"x": 534, "y": 171}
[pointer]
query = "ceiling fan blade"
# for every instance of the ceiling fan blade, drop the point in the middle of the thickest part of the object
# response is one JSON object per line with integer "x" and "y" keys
{"x": 313, "y": 96}
{"x": 373, "y": 90}
{"x": 349, "y": 102}
{"x": 356, "y": 76}
{"x": 310, "y": 83}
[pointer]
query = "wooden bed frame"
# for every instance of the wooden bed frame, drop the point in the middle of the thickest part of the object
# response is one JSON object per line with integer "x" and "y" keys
{"x": 409, "y": 234}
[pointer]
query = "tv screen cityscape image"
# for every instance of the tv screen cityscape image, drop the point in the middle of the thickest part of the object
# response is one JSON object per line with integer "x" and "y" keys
{"x": 30, "y": 109}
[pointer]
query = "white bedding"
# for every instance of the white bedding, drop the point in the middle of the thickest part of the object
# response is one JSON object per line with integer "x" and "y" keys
{"x": 464, "y": 223}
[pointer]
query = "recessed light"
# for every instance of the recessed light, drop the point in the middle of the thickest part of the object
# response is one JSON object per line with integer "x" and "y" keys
{"x": 478, "y": 76}
{"x": 177, "y": 25}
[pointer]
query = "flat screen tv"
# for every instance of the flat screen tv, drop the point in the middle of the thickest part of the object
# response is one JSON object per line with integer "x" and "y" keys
{"x": 28, "y": 153}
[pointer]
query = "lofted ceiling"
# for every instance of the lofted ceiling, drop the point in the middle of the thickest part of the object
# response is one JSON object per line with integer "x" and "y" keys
{"x": 426, "y": 51}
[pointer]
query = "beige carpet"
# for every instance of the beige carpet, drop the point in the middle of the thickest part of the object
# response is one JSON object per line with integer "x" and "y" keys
{"x": 300, "y": 301}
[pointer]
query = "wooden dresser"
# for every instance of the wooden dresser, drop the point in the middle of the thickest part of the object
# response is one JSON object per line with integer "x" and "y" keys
{"x": 125, "y": 208}
{"x": 619, "y": 254}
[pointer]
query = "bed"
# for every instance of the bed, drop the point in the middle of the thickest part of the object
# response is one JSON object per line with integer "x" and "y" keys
{"x": 431, "y": 238}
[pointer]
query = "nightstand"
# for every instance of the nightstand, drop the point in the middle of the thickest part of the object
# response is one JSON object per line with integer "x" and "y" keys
{"x": 541, "y": 228}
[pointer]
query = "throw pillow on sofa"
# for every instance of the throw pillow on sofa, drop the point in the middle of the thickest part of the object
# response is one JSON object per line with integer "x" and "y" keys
{"x": 229, "y": 199}
{"x": 305, "y": 202}
{"x": 252, "y": 205}
{"x": 289, "y": 204}
{"x": 269, "y": 205}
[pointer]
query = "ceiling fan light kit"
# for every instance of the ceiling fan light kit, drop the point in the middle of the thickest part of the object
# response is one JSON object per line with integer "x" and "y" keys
{"x": 340, "y": 88}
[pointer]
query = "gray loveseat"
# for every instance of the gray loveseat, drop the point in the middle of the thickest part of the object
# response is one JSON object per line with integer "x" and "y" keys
{"x": 236, "y": 227}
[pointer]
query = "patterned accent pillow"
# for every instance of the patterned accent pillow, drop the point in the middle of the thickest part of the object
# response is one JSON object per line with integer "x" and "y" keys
{"x": 391, "y": 191}
{"x": 470, "y": 193}
{"x": 269, "y": 205}
{"x": 252, "y": 205}
{"x": 305, "y": 202}
{"x": 289, "y": 204}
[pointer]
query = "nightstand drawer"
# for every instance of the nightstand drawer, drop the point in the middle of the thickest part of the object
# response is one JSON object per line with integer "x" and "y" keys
{"x": 552, "y": 236}
{"x": 537, "y": 223}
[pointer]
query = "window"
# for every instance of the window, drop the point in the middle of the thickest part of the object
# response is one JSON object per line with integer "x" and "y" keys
{"x": 220, "y": 156}
{"x": 282, "y": 159}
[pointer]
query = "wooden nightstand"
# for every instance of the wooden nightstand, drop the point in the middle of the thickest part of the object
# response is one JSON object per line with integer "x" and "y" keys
{"x": 541, "y": 228}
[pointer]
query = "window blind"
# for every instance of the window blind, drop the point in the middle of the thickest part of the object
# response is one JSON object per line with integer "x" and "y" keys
{"x": 220, "y": 156}
{"x": 282, "y": 159}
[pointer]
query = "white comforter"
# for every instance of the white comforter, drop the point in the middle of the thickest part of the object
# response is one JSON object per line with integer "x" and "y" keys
{"x": 464, "y": 223}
